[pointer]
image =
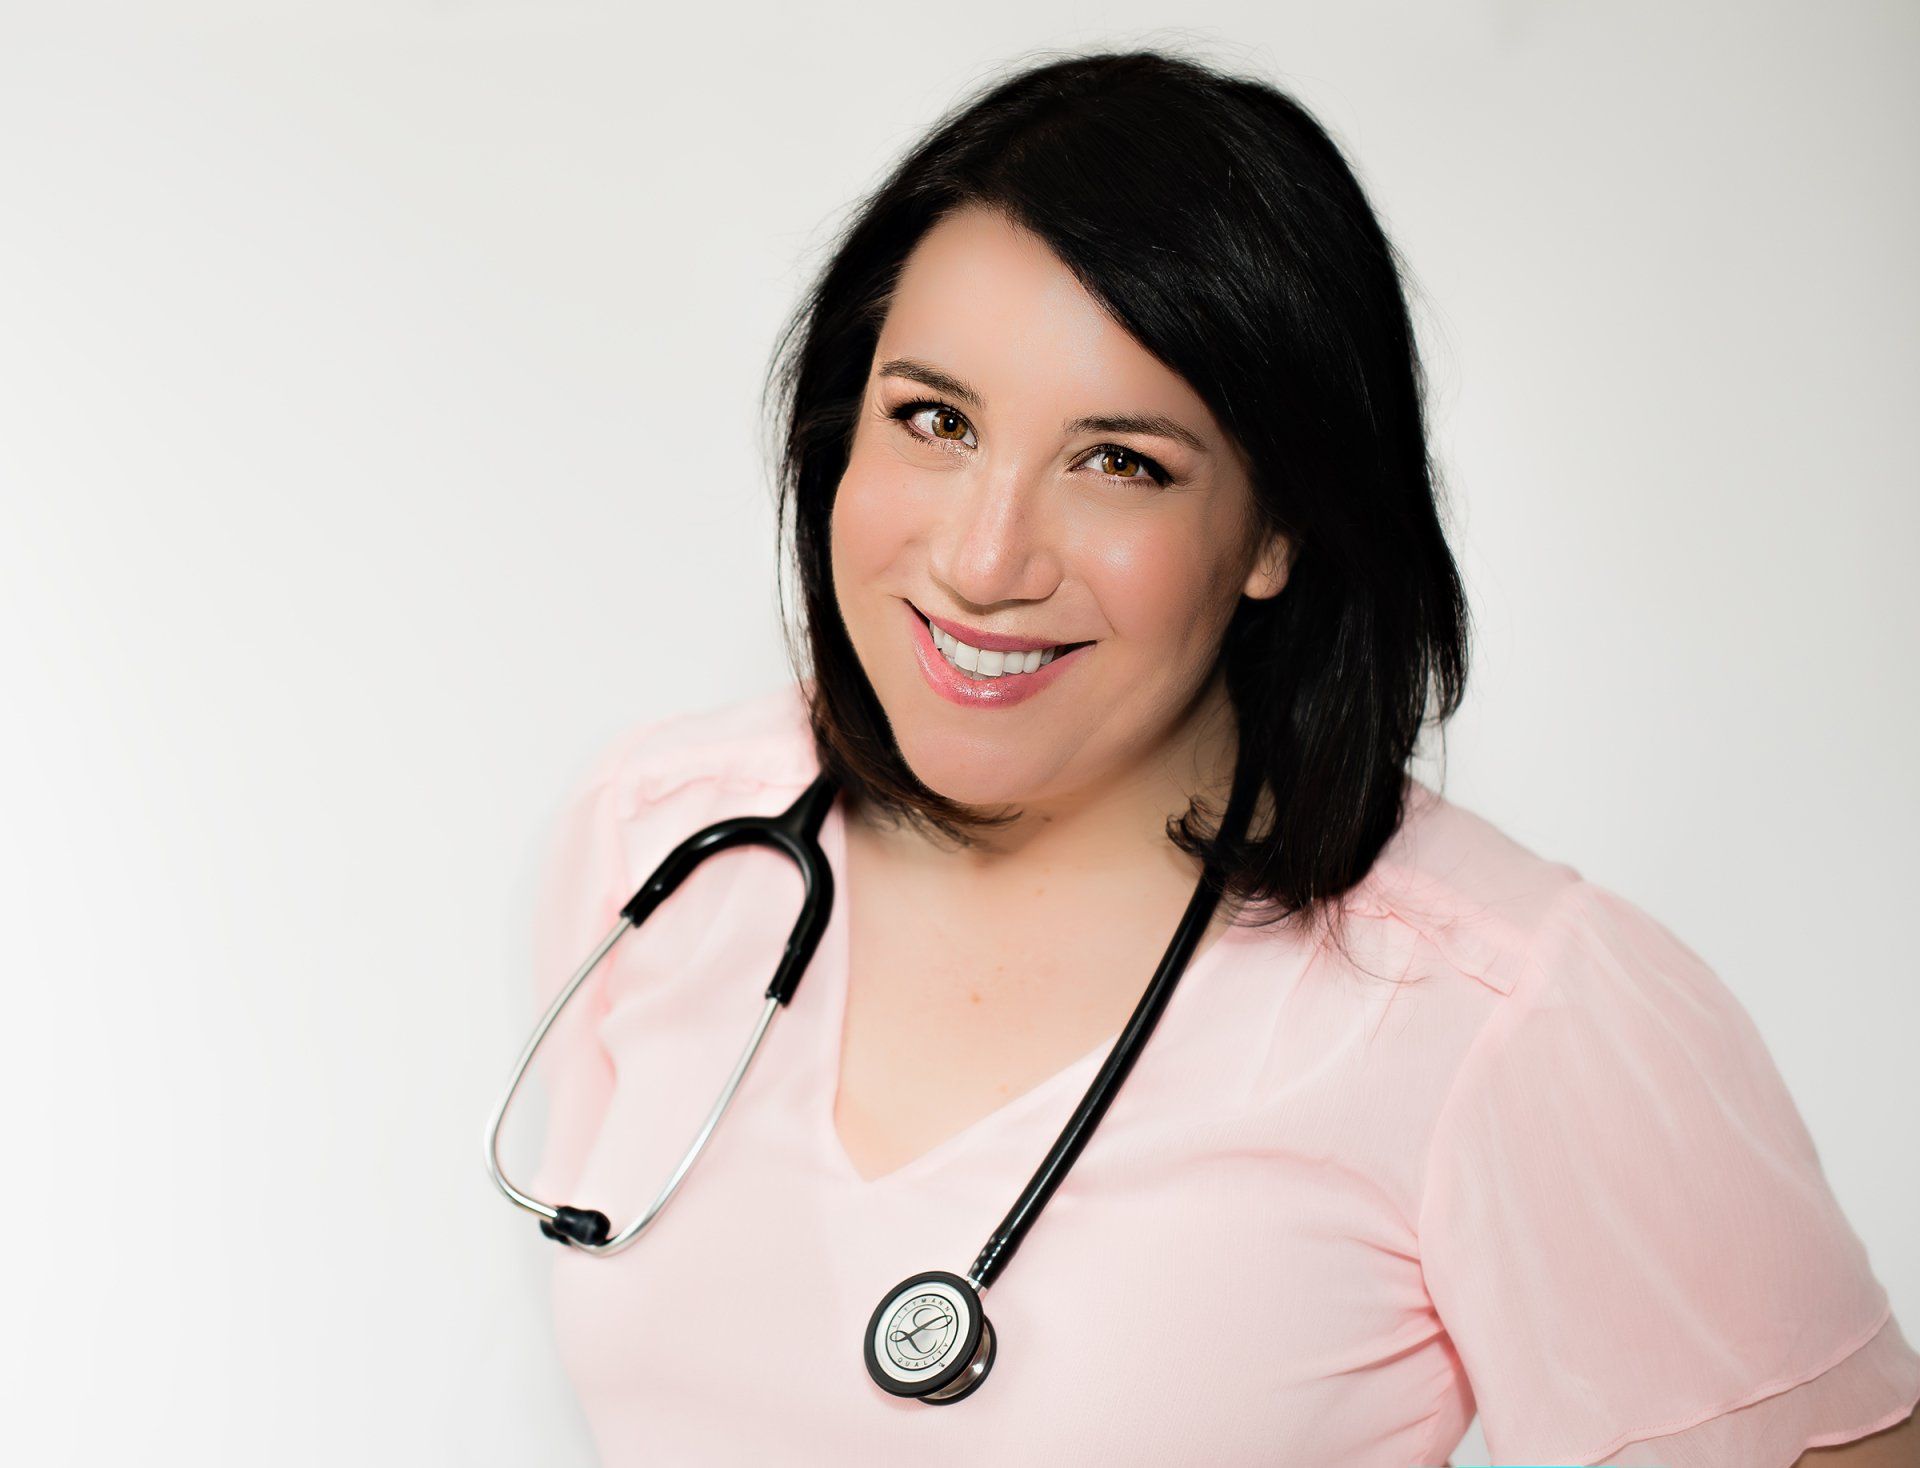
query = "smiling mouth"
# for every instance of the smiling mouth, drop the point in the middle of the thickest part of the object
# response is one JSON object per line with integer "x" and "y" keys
{"x": 983, "y": 664}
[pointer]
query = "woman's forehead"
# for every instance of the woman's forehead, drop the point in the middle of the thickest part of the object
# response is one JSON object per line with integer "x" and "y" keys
{"x": 989, "y": 304}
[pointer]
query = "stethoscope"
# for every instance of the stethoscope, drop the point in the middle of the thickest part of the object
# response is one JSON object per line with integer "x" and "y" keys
{"x": 928, "y": 1337}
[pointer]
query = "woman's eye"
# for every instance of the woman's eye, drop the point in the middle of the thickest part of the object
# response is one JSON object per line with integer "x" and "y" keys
{"x": 943, "y": 424}
{"x": 1115, "y": 462}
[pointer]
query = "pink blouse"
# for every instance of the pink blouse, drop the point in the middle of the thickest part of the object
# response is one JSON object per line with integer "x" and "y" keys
{"x": 1536, "y": 1159}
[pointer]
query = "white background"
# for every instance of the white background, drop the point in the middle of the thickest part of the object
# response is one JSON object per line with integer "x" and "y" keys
{"x": 379, "y": 435}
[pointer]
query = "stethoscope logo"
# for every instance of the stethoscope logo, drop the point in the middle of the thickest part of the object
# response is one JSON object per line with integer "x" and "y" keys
{"x": 928, "y": 1338}
{"x": 921, "y": 1330}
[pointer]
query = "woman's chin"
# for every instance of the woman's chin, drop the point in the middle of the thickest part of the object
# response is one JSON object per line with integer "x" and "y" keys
{"x": 983, "y": 779}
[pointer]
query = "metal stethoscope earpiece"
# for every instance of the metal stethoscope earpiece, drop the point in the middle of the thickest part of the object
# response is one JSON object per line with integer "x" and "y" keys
{"x": 929, "y": 1338}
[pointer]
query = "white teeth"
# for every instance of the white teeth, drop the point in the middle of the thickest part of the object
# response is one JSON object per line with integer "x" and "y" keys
{"x": 985, "y": 664}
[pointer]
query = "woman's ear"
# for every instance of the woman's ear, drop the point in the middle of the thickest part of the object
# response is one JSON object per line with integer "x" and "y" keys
{"x": 1268, "y": 577}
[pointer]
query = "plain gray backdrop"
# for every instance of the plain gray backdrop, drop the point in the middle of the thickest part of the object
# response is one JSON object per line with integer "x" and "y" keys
{"x": 379, "y": 436}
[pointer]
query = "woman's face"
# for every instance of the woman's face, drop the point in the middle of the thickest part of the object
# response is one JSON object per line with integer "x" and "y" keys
{"x": 1005, "y": 477}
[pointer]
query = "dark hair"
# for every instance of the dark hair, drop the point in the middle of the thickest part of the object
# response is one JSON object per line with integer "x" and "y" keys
{"x": 1254, "y": 268}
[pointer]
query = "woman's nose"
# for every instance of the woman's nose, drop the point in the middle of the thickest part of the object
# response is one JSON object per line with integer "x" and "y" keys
{"x": 997, "y": 540}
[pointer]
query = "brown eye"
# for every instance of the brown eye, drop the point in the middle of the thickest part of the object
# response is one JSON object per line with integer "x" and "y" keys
{"x": 1112, "y": 460}
{"x": 948, "y": 424}
{"x": 944, "y": 424}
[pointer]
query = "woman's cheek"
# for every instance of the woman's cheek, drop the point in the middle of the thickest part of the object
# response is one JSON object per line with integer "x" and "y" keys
{"x": 1147, "y": 587}
{"x": 852, "y": 534}
{"x": 872, "y": 517}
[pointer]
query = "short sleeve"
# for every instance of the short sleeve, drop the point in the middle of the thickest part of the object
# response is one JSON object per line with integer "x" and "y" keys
{"x": 583, "y": 883}
{"x": 1625, "y": 1228}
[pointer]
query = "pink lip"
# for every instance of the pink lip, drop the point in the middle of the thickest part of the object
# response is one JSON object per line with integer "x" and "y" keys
{"x": 990, "y": 641}
{"x": 956, "y": 687}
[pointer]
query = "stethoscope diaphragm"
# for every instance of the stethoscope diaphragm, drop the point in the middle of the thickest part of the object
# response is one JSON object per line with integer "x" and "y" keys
{"x": 930, "y": 1339}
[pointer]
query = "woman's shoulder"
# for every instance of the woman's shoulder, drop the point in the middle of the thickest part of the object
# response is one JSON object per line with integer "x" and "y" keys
{"x": 1471, "y": 892}
{"x": 1454, "y": 890}
{"x": 1516, "y": 921}
{"x": 761, "y": 738}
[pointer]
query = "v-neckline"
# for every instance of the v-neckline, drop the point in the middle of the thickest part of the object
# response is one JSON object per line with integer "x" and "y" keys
{"x": 835, "y": 958}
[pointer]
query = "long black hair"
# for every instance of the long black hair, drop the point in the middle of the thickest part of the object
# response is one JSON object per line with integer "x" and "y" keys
{"x": 1251, "y": 264}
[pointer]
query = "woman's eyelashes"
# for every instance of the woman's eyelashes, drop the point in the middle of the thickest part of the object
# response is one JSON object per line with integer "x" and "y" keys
{"x": 947, "y": 425}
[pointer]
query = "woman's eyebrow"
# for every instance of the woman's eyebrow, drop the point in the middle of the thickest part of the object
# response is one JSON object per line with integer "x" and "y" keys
{"x": 928, "y": 375}
{"x": 1156, "y": 424}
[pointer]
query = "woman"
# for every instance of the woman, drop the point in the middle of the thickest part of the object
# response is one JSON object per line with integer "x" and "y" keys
{"x": 1106, "y": 474}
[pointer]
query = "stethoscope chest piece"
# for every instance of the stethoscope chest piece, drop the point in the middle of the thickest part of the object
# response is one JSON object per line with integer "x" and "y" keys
{"x": 930, "y": 1339}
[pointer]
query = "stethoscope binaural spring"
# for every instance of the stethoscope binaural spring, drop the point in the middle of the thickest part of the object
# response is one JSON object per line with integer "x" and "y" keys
{"x": 928, "y": 1338}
